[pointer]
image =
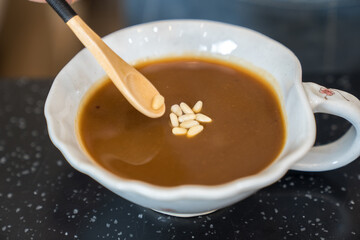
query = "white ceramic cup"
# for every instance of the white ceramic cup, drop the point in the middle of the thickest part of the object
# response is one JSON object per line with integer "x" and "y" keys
{"x": 230, "y": 43}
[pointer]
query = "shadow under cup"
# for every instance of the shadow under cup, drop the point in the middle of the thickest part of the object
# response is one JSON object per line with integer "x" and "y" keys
{"x": 175, "y": 38}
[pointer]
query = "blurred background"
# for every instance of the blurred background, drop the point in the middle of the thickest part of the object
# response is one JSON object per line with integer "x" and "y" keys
{"x": 324, "y": 34}
{"x": 35, "y": 42}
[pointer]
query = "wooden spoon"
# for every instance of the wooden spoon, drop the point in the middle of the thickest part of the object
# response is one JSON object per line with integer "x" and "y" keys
{"x": 133, "y": 85}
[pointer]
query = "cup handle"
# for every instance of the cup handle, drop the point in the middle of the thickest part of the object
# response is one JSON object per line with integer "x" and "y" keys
{"x": 342, "y": 151}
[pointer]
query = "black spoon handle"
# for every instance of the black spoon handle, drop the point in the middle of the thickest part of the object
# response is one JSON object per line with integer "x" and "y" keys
{"x": 62, "y": 8}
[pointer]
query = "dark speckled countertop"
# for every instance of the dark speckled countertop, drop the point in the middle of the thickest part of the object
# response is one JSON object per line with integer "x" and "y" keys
{"x": 43, "y": 197}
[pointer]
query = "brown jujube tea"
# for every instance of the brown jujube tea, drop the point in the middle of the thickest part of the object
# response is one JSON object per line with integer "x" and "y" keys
{"x": 246, "y": 135}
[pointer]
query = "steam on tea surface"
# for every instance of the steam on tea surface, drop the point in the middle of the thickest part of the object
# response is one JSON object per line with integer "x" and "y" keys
{"x": 246, "y": 134}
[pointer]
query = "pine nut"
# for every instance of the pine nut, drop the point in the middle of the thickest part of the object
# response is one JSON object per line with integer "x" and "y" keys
{"x": 193, "y": 131}
{"x": 179, "y": 131}
{"x": 189, "y": 124}
{"x": 203, "y": 118}
{"x": 174, "y": 120}
{"x": 176, "y": 109}
{"x": 186, "y": 109}
{"x": 157, "y": 102}
{"x": 197, "y": 107}
{"x": 185, "y": 121}
{"x": 187, "y": 117}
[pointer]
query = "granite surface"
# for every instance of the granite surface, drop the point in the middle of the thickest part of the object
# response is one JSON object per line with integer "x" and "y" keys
{"x": 43, "y": 197}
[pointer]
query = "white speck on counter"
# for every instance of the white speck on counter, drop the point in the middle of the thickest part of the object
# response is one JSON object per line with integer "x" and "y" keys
{"x": 308, "y": 195}
{"x": 2, "y": 160}
{"x": 93, "y": 219}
